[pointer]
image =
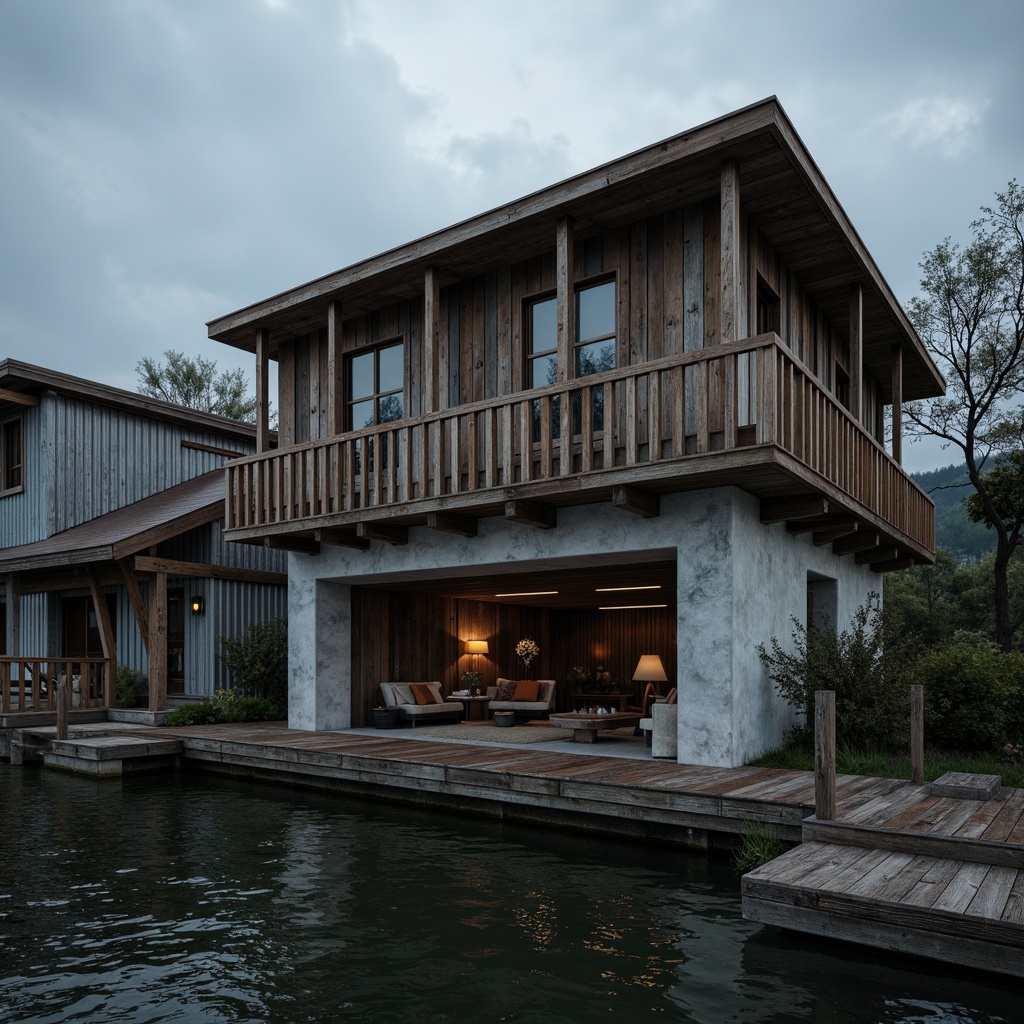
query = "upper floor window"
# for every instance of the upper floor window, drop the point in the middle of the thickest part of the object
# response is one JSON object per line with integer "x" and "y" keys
{"x": 768, "y": 308}
{"x": 376, "y": 386}
{"x": 595, "y": 329}
{"x": 542, "y": 348}
{"x": 12, "y": 469}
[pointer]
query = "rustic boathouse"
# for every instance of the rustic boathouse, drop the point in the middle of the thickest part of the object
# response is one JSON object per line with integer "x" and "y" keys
{"x": 642, "y": 411}
{"x": 111, "y": 512}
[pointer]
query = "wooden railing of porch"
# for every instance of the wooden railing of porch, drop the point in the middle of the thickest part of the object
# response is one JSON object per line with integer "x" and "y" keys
{"x": 671, "y": 410}
{"x": 29, "y": 684}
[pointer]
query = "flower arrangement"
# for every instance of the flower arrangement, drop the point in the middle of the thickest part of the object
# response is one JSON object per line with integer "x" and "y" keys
{"x": 577, "y": 676}
{"x": 471, "y": 681}
{"x": 526, "y": 651}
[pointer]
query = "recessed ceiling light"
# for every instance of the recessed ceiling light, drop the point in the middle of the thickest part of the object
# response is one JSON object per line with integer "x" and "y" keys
{"x": 624, "y": 607}
{"x": 529, "y": 593}
{"x": 608, "y": 590}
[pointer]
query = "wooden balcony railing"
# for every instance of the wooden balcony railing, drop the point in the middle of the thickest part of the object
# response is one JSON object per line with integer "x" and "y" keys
{"x": 716, "y": 399}
{"x": 30, "y": 684}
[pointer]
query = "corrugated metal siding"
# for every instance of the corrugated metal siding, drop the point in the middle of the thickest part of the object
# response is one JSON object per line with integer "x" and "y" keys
{"x": 107, "y": 458}
{"x": 27, "y": 516}
{"x": 34, "y": 640}
{"x": 233, "y": 607}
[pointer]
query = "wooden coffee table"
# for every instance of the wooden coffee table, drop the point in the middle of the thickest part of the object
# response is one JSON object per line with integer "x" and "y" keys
{"x": 586, "y": 727}
{"x": 474, "y": 708}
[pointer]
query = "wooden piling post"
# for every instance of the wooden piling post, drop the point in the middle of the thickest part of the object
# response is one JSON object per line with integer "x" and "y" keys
{"x": 61, "y": 687}
{"x": 825, "y": 755}
{"x": 917, "y": 735}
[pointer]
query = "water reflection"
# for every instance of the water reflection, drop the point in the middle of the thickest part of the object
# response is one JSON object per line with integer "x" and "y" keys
{"x": 198, "y": 899}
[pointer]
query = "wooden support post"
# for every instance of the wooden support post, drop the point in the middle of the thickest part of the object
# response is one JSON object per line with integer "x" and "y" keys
{"x": 565, "y": 315}
{"x": 731, "y": 303}
{"x": 431, "y": 338}
{"x": 13, "y": 593}
{"x": 825, "y": 755}
{"x": 856, "y": 350}
{"x": 917, "y": 734}
{"x": 262, "y": 390}
{"x": 897, "y": 404}
{"x": 61, "y": 694}
{"x": 158, "y": 642}
{"x": 335, "y": 403}
{"x": 107, "y": 639}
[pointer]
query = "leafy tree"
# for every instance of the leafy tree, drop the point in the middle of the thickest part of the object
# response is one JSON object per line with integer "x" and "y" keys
{"x": 971, "y": 317}
{"x": 195, "y": 383}
{"x": 925, "y": 598}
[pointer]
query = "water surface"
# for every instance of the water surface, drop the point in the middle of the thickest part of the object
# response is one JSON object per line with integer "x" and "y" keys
{"x": 200, "y": 899}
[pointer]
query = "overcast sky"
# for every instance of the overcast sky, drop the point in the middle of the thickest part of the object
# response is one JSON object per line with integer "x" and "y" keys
{"x": 164, "y": 162}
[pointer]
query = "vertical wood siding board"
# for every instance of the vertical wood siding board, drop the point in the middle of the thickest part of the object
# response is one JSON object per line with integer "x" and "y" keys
{"x": 672, "y": 284}
{"x": 503, "y": 331}
{"x": 302, "y": 411}
{"x": 405, "y": 454}
{"x": 678, "y": 425}
{"x": 712, "y": 272}
{"x": 517, "y": 329}
{"x": 655, "y": 278}
{"x": 468, "y": 342}
{"x": 394, "y": 443}
{"x": 565, "y": 333}
{"x": 491, "y": 447}
{"x": 638, "y": 321}
{"x": 693, "y": 278}
{"x": 593, "y": 256}
{"x": 436, "y": 458}
{"x": 431, "y": 340}
{"x": 472, "y": 454}
{"x": 491, "y": 287}
{"x": 586, "y": 429}
{"x": 525, "y": 442}
{"x": 452, "y": 386}
{"x": 703, "y": 395}
{"x": 546, "y": 437}
{"x": 611, "y": 425}
{"x": 729, "y": 399}
{"x": 507, "y": 466}
{"x": 443, "y": 346}
{"x": 731, "y": 299}
{"x": 654, "y": 414}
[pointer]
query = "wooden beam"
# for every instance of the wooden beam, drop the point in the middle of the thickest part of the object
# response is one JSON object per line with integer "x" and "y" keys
{"x": 858, "y": 542}
{"x": 531, "y": 513}
{"x": 565, "y": 314}
{"x": 431, "y": 337}
{"x": 17, "y": 397}
{"x": 833, "y": 533}
{"x": 108, "y": 640}
{"x": 262, "y": 390}
{"x": 131, "y": 585}
{"x": 213, "y": 449}
{"x": 897, "y": 404}
{"x": 639, "y": 502}
{"x": 892, "y": 565}
{"x": 285, "y": 543}
{"x": 810, "y": 525}
{"x": 452, "y": 522}
{"x": 335, "y": 395}
{"x": 168, "y": 529}
{"x": 730, "y": 252}
{"x": 779, "y": 510}
{"x": 13, "y": 595}
{"x": 873, "y": 555}
{"x": 158, "y": 642}
{"x": 383, "y": 532}
{"x": 204, "y": 570}
{"x": 856, "y": 349}
{"x": 340, "y": 537}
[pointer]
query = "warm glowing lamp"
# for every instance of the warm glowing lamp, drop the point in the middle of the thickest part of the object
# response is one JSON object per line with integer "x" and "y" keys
{"x": 196, "y": 605}
{"x": 477, "y": 647}
{"x": 649, "y": 669}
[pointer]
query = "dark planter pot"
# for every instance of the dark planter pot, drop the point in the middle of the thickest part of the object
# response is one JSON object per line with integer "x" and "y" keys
{"x": 384, "y": 718}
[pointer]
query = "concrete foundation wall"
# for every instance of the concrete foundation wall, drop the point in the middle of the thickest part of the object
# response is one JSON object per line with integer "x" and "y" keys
{"x": 738, "y": 584}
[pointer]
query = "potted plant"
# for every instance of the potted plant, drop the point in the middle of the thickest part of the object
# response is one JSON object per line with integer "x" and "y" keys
{"x": 526, "y": 651}
{"x": 577, "y": 678}
{"x": 471, "y": 682}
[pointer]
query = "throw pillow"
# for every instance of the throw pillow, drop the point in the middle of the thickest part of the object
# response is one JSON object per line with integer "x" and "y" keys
{"x": 506, "y": 687}
{"x": 403, "y": 694}
{"x": 422, "y": 694}
{"x": 526, "y": 689}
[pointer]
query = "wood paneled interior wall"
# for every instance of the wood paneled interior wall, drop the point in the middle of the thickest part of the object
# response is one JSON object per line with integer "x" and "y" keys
{"x": 429, "y": 634}
{"x": 668, "y": 281}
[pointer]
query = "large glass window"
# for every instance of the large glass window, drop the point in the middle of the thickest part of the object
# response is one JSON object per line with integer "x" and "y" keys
{"x": 12, "y": 455}
{"x": 542, "y": 350}
{"x": 595, "y": 329}
{"x": 376, "y": 386}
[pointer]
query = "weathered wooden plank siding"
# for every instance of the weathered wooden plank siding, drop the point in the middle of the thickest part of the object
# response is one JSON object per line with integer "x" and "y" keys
{"x": 28, "y": 515}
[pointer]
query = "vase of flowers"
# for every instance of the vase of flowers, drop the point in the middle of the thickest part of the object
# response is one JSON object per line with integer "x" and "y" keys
{"x": 471, "y": 682}
{"x": 526, "y": 651}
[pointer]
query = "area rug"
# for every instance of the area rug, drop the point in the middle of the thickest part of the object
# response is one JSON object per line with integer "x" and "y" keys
{"x": 484, "y": 732}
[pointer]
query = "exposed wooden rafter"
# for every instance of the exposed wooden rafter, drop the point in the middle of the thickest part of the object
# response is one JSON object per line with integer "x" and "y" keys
{"x": 841, "y": 528}
{"x": 860, "y": 541}
{"x": 780, "y": 510}
{"x": 6, "y": 395}
{"x": 205, "y": 570}
{"x": 892, "y": 565}
{"x": 340, "y": 537}
{"x": 303, "y": 545}
{"x": 451, "y": 522}
{"x": 383, "y": 532}
{"x": 639, "y": 502}
{"x": 873, "y": 555}
{"x": 531, "y": 513}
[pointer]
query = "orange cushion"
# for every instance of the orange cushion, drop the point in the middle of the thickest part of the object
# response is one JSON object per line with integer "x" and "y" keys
{"x": 526, "y": 689}
{"x": 423, "y": 694}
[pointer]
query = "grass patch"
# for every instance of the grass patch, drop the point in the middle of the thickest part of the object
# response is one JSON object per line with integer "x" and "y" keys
{"x": 799, "y": 754}
{"x": 761, "y": 843}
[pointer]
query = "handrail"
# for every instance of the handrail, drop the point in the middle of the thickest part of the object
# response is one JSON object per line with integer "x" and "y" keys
{"x": 754, "y": 392}
{"x": 26, "y": 683}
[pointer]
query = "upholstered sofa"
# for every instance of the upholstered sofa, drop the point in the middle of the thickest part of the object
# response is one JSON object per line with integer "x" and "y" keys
{"x": 503, "y": 697}
{"x": 417, "y": 703}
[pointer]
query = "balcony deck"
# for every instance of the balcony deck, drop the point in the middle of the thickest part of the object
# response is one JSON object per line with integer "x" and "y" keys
{"x": 747, "y": 414}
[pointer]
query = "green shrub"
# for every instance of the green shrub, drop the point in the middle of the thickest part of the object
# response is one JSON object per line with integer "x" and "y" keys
{"x": 227, "y": 706}
{"x": 973, "y": 696}
{"x": 129, "y": 686}
{"x": 870, "y": 666}
{"x": 761, "y": 843}
{"x": 258, "y": 660}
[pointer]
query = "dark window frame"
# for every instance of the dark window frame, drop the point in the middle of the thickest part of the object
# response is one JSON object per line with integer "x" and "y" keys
{"x": 598, "y": 281}
{"x": 12, "y": 472}
{"x": 377, "y": 394}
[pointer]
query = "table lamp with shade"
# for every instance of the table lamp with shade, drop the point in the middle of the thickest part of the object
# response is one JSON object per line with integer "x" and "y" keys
{"x": 649, "y": 669}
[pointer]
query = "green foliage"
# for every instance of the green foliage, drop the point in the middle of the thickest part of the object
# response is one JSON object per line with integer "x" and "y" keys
{"x": 227, "y": 706}
{"x": 761, "y": 843}
{"x": 974, "y": 696}
{"x": 258, "y": 660}
{"x": 948, "y": 487}
{"x": 1005, "y": 486}
{"x": 129, "y": 686}
{"x": 195, "y": 383}
{"x": 869, "y": 666}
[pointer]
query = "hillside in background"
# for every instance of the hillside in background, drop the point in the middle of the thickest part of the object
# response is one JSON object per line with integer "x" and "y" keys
{"x": 948, "y": 487}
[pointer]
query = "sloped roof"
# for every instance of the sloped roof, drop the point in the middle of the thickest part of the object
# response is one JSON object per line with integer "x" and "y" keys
{"x": 126, "y": 530}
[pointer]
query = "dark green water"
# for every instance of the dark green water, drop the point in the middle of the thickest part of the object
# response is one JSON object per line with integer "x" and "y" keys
{"x": 198, "y": 899}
